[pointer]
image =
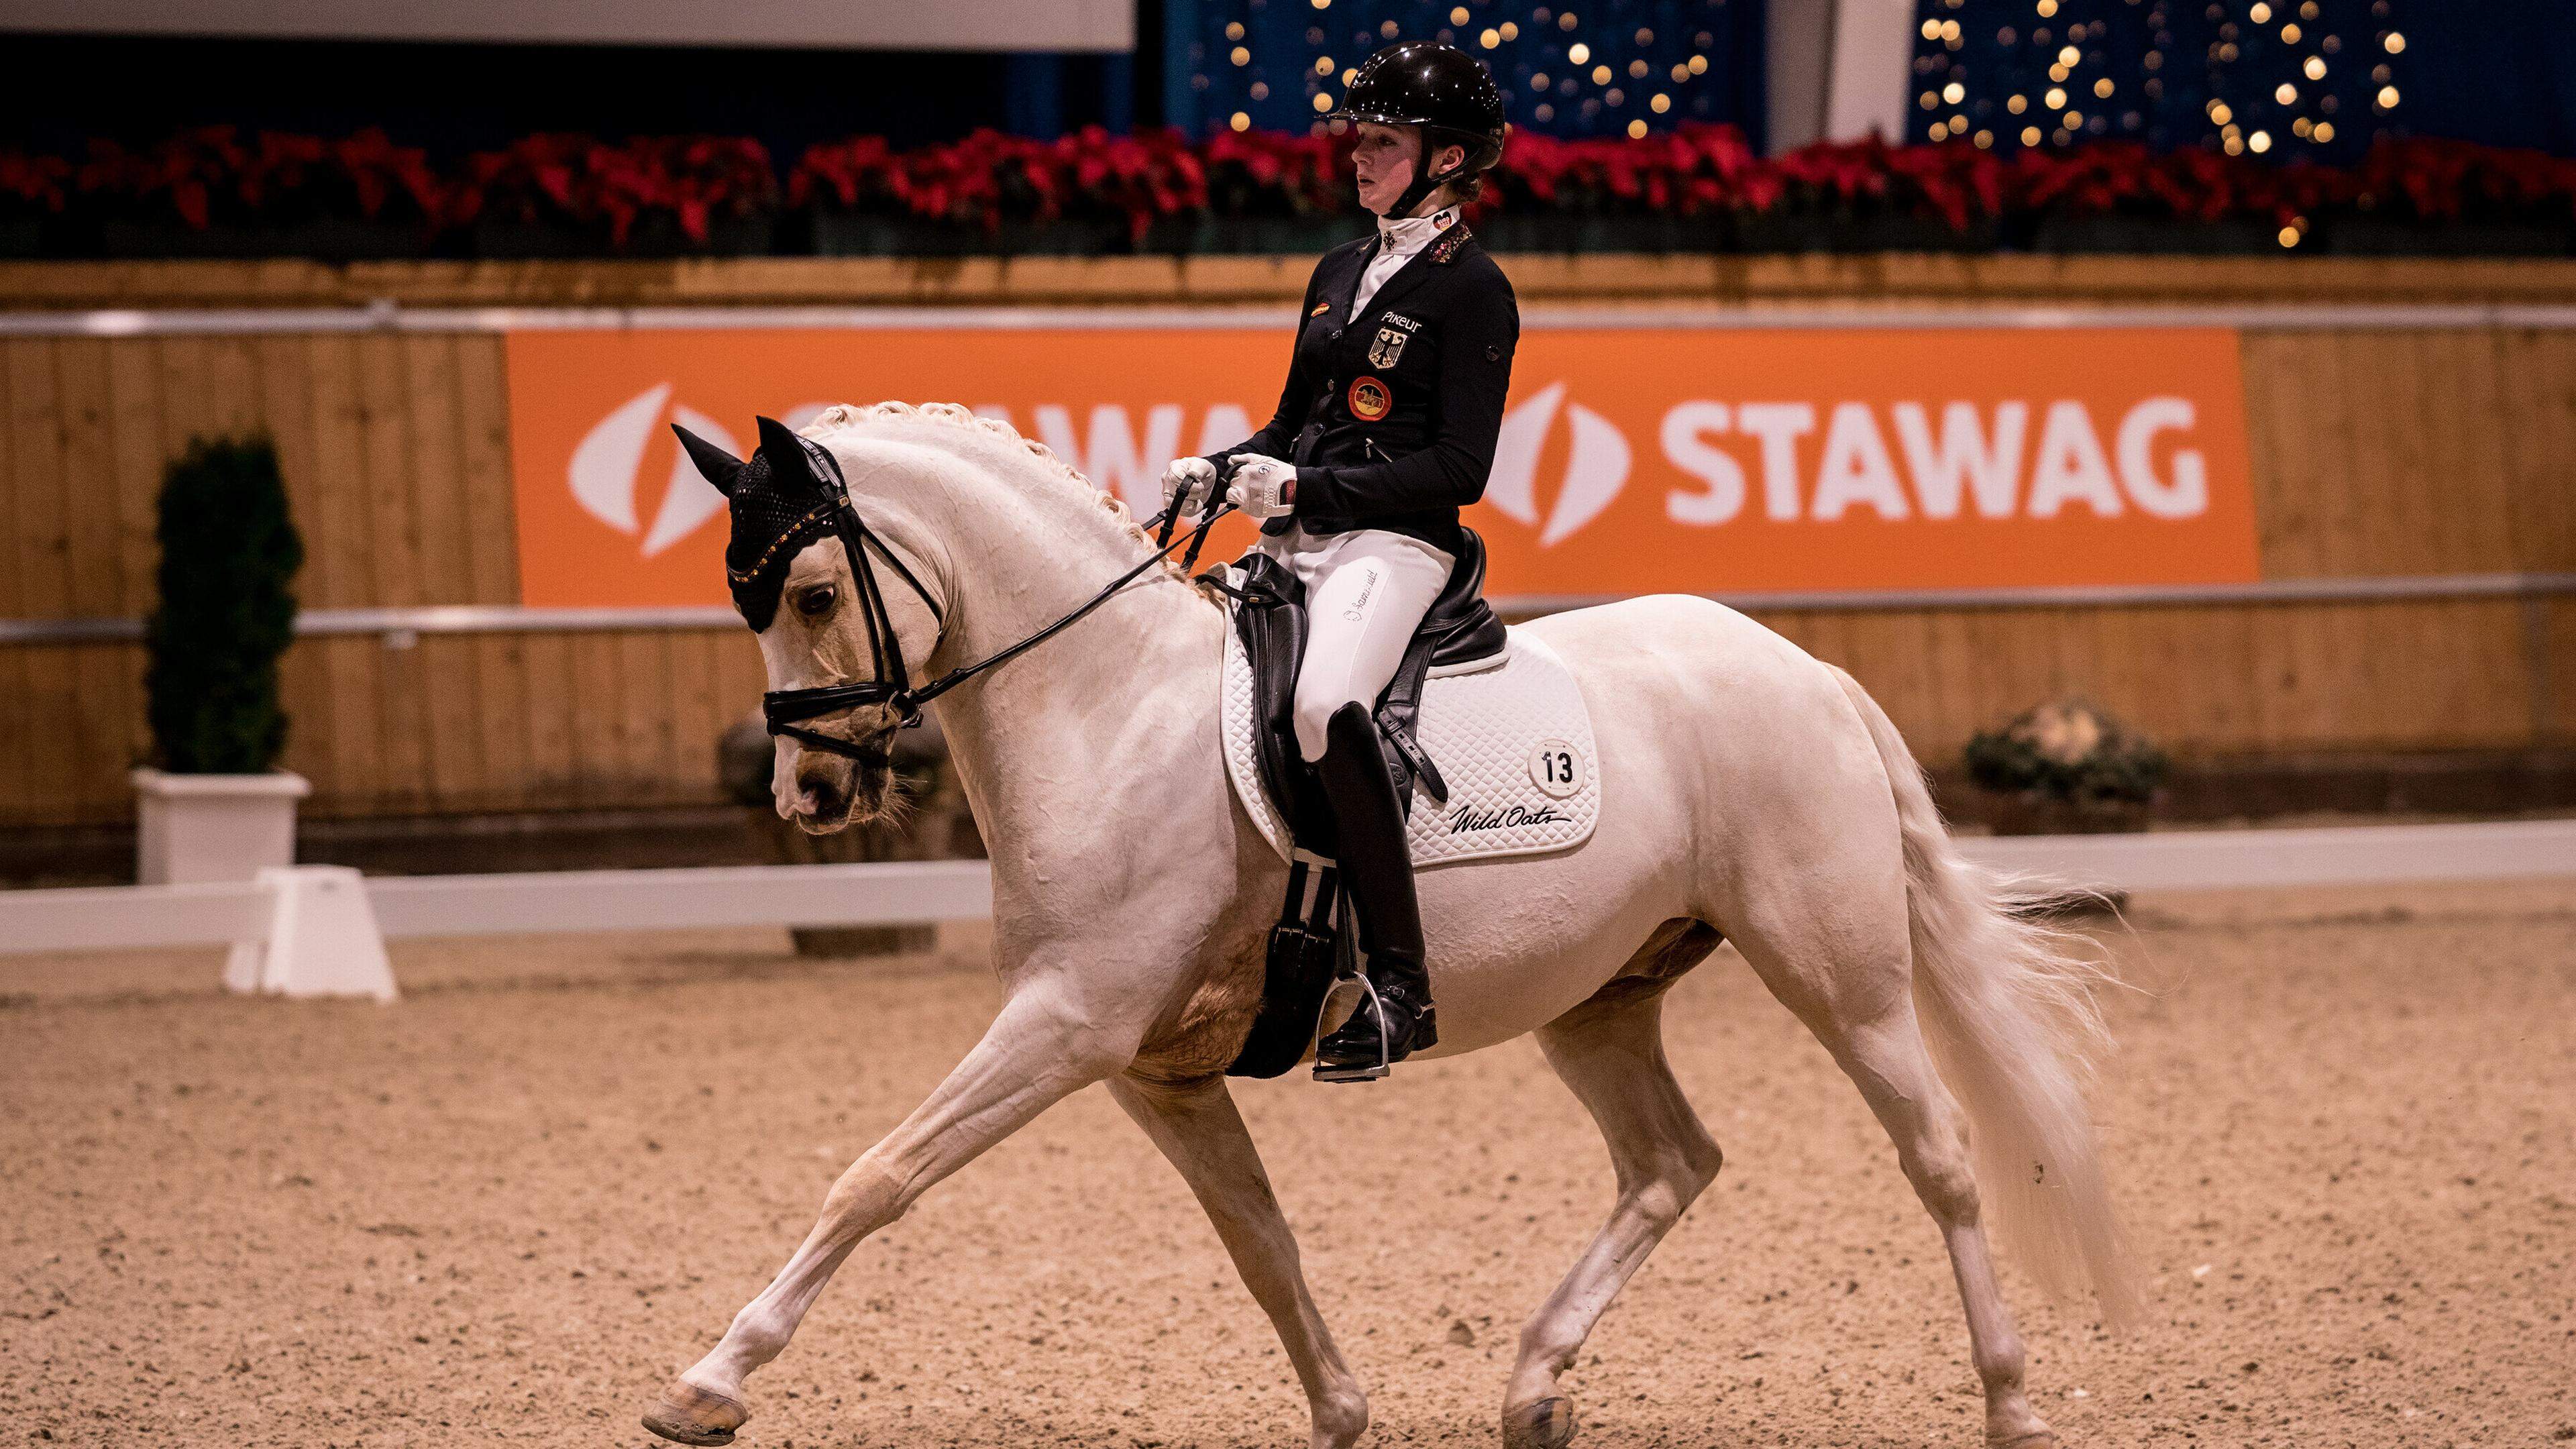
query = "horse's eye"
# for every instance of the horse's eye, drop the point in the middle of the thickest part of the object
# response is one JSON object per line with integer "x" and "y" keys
{"x": 815, "y": 603}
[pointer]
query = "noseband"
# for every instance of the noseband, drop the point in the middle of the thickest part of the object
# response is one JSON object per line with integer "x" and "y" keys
{"x": 787, "y": 709}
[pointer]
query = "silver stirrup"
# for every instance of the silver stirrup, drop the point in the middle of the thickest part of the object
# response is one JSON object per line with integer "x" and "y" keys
{"x": 1363, "y": 1072}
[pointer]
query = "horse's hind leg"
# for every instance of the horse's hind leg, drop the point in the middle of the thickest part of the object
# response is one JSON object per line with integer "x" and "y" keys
{"x": 1610, "y": 1052}
{"x": 1887, "y": 1059}
{"x": 1861, "y": 1007}
{"x": 1198, "y": 1128}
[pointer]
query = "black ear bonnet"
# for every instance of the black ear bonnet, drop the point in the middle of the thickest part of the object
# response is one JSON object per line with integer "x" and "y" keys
{"x": 780, "y": 503}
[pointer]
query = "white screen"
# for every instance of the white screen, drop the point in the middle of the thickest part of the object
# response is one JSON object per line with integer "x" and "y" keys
{"x": 1094, "y": 25}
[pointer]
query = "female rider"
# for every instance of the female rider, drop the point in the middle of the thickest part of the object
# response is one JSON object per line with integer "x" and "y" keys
{"x": 1385, "y": 429}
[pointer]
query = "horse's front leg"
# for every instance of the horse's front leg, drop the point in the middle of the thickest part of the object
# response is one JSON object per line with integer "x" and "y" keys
{"x": 1040, "y": 1049}
{"x": 1199, "y": 1129}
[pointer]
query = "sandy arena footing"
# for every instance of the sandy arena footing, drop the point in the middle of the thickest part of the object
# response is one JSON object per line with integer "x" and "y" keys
{"x": 2343, "y": 1123}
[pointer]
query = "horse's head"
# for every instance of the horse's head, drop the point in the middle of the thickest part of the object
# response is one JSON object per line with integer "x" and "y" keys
{"x": 820, "y": 624}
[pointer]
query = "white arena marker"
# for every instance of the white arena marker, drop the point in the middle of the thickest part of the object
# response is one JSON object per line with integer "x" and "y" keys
{"x": 322, "y": 937}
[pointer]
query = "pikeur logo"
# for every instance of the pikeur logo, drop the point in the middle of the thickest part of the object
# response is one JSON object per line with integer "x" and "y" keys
{"x": 1467, "y": 817}
{"x": 1388, "y": 348}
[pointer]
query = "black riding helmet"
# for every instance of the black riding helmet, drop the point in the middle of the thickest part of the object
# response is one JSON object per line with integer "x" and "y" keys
{"x": 1442, "y": 89}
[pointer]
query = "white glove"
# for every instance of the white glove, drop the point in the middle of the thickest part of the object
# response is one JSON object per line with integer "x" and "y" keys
{"x": 1193, "y": 479}
{"x": 1262, "y": 487}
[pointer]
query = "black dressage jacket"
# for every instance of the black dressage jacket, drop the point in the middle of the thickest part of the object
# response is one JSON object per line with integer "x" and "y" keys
{"x": 1390, "y": 417}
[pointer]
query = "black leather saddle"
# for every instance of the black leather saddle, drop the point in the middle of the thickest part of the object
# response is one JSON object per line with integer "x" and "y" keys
{"x": 1459, "y": 628}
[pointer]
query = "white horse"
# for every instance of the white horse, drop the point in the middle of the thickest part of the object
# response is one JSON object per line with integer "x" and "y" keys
{"x": 1749, "y": 793}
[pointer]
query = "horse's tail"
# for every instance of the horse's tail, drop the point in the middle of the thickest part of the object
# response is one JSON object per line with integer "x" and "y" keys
{"x": 2008, "y": 1007}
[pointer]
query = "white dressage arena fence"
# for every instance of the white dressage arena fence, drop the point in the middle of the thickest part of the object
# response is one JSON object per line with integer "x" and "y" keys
{"x": 319, "y": 930}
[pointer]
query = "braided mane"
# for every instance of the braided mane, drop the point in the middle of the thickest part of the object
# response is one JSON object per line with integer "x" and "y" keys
{"x": 852, "y": 416}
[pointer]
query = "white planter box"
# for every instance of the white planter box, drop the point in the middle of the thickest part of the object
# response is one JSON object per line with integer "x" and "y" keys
{"x": 194, "y": 828}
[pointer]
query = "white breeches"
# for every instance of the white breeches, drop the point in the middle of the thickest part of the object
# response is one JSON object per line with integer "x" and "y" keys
{"x": 1366, "y": 591}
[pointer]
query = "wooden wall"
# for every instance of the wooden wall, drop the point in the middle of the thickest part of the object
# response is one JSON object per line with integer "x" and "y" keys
{"x": 2440, "y": 451}
{"x": 396, "y": 454}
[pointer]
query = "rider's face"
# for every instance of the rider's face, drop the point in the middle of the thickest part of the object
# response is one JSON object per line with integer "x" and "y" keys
{"x": 1385, "y": 157}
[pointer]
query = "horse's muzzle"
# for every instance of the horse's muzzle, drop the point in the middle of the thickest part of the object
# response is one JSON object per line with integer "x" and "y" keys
{"x": 835, "y": 790}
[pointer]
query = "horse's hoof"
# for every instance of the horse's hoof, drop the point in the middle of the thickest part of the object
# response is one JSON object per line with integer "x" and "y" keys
{"x": 1547, "y": 1424}
{"x": 687, "y": 1414}
{"x": 2035, "y": 1439}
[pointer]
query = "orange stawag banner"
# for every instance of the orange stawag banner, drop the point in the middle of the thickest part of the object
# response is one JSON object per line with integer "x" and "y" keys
{"x": 1632, "y": 460}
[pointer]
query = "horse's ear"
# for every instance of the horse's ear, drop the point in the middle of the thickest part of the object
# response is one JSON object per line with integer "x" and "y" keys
{"x": 717, "y": 466}
{"x": 786, "y": 450}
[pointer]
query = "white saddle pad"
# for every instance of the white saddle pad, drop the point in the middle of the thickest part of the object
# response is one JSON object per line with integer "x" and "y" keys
{"x": 1511, "y": 735}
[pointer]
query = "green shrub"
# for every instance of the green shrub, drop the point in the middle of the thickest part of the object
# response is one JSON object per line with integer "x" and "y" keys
{"x": 2067, "y": 751}
{"x": 229, "y": 552}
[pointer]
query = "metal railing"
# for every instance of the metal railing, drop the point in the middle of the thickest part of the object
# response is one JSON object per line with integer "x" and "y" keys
{"x": 403, "y": 626}
{"x": 385, "y": 315}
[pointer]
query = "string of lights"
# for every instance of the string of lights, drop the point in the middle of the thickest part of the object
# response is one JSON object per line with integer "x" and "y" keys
{"x": 1585, "y": 68}
{"x": 2266, "y": 77}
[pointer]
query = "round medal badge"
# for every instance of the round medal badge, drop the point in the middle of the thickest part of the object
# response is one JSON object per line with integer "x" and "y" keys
{"x": 1368, "y": 399}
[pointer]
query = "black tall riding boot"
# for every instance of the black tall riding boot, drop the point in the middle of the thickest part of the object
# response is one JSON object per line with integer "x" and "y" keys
{"x": 1377, "y": 868}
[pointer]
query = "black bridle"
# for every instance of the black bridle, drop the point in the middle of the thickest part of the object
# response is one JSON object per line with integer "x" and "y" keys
{"x": 786, "y": 709}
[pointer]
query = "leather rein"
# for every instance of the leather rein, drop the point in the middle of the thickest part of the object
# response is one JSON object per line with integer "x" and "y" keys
{"x": 785, "y": 710}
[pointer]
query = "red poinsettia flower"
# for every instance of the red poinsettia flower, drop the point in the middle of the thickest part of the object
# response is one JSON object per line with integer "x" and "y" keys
{"x": 2432, "y": 180}
{"x": 183, "y": 178}
{"x": 1277, "y": 174}
{"x": 388, "y": 179}
{"x": 981, "y": 180}
{"x": 586, "y": 183}
{"x": 533, "y": 178}
{"x": 852, "y": 175}
{"x": 287, "y": 178}
{"x": 1136, "y": 180}
{"x": 33, "y": 186}
{"x": 217, "y": 176}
